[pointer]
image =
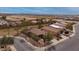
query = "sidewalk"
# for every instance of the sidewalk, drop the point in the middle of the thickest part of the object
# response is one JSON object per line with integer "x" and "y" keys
{"x": 12, "y": 47}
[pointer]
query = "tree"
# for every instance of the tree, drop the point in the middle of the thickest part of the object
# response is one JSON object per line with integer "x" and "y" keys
{"x": 4, "y": 17}
{"x": 52, "y": 21}
{"x": 7, "y": 40}
{"x": 19, "y": 27}
{"x": 48, "y": 37}
{"x": 40, "y": 22}
{"x": 10, "y": 40}
{"x": 33, "y": 36}
{"x": 40, "y": 26}
{"x": 24, "y": 19}
{"x": 23, "y": 22}
{"x": 2, "y": 42}
{"x": 57, "y": 36}
{"x": 69, "y": 26}
{"x": 37, "y": 21}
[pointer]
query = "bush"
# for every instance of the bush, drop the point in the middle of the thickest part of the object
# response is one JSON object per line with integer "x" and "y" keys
{"x": 33, "y": 36}
{"x": 7, "y": 40}
{"x": 69, "y": 26}
{"x": 48, "y": 37}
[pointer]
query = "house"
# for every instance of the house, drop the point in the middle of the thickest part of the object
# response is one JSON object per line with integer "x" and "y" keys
{"x": 34, "y": 21}
{"x": 38, "y": 33}
{"x": 56, "y": 28}
{"x": 55, "y": 31}
{"x": 2, "y": 22}
{"x": 14, "y": 23}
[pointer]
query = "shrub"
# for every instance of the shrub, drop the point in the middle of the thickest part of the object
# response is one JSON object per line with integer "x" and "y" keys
{"x": 7, "y": 40}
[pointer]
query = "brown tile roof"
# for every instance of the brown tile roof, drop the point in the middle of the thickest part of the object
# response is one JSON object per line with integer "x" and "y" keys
{"x": 37, "y": 31}
{"x": 52, "y": 29}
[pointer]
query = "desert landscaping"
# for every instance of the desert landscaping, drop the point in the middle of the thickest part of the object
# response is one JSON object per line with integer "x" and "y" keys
{"x": 41, "y": 32}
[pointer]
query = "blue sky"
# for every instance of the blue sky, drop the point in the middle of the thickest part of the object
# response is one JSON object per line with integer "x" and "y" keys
{"x": 41, "y": 10}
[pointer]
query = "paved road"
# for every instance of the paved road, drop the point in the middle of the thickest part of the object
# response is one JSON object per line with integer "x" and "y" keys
{"x": 21, "y": 46}
{"x": 71, "y": 44}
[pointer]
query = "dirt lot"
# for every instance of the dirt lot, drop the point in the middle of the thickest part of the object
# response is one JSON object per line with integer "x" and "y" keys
{"x": 18, "y": 18}
{"x": 6, "y": 31}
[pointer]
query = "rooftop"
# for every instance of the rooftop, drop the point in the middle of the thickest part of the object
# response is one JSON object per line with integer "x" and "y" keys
{"x": 52, "y": 29}
{"x": 58, "y": 25}
{"x": 37, "y": 31}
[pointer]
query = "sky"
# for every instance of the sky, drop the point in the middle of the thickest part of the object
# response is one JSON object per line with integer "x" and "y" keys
{"x": 41, "y": 10}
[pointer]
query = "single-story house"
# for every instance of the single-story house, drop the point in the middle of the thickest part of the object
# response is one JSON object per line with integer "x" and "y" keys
{"x": 56, "y": 28}
{"x": 37, "y": 32}
{"x": 55, "y": 31}
{"x": 2, "y": 22}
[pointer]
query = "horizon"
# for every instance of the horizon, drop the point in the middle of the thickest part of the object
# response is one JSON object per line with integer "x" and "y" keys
{"x": 41, "y": 10}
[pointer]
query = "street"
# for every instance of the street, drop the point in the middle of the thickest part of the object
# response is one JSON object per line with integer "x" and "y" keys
{"x": 21, "y": 46}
